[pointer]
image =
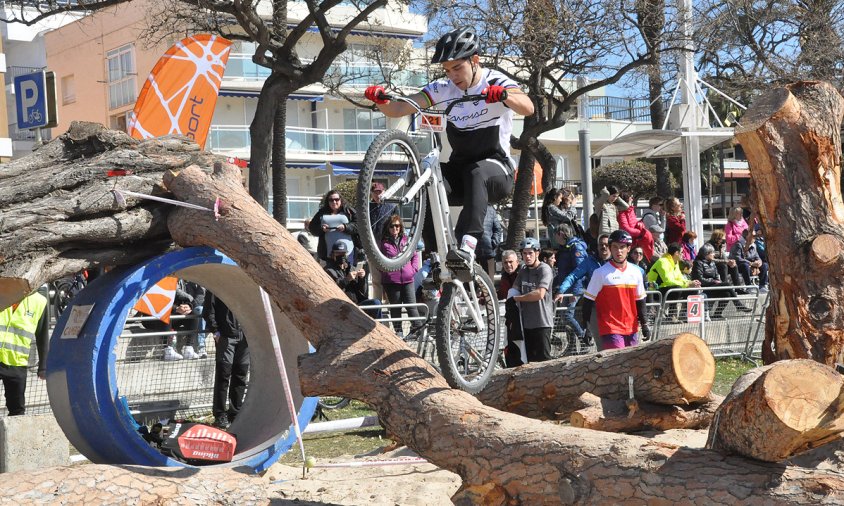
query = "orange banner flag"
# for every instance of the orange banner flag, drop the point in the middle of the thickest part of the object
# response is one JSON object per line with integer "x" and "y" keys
{"x": 181, "y": 92}
{"x": 158, "y": 301}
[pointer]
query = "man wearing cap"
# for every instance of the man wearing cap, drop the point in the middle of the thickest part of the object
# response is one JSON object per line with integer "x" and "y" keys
{"x": 19, "y": 325}
{"x": 617, "y": 290}
{"x": 350, "y": 279}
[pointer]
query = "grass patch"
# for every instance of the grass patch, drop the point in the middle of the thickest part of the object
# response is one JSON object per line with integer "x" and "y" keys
{"x": 727, "y": 371}
{"x": 333, "y": 444}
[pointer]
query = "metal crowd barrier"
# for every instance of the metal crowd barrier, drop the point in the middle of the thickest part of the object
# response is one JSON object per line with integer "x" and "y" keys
{"x": 727, "y": 324}
{"x": 155, "y": 387}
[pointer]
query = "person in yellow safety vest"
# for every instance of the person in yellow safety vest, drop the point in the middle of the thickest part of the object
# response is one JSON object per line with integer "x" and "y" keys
{"x": 19, "y": 324}
{"x": 665, "y": 274}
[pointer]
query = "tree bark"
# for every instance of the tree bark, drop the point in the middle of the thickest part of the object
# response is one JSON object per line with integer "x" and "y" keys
{"x": 677, "y": 370}
{"x": 59, "y": 216}
{"x": 502, "y": 458}
{"x": 777, "y": 411}
{"x": 793, "y": 143}
{"x": 610, "y": 415}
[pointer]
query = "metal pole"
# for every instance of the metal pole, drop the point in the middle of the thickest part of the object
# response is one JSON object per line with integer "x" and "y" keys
{"x": 690, "y": 142}
{"x": 585, "y": 151}
{"x": 38, "y": 139}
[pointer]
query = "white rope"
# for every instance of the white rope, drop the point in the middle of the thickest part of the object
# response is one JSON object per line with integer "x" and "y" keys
{"x": 120, "y": 197}
{"x": 268, "y": 311}
{"x": 377, "y": 463}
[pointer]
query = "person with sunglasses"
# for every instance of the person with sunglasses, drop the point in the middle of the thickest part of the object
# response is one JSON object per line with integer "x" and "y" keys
{"x": 399, "y": 285}
{"x": 480, "y": 170}
{"x": 335, "y": 221}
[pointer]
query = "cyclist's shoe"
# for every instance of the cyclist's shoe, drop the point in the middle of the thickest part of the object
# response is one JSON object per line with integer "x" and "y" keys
{"x": 461, "y": 263}
{"x": 189, "y": 354}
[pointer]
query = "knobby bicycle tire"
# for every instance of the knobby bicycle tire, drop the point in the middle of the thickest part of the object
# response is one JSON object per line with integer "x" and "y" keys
{"x": 377, "y": 161}
{"x": 467, "y": 358}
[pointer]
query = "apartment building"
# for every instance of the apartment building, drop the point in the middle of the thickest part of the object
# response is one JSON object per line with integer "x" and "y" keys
{"x": 101, "y": 66}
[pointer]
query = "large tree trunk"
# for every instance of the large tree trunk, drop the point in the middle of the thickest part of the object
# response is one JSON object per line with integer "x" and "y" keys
{"x": 792, "y": 138}
{"x": 501, "y": 457}
{"x": 779, "y": 410}
{"x": 677, "y": 370}
{"x": 612, "y": 415}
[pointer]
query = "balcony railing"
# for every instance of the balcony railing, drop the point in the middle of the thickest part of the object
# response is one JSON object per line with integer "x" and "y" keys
{"x": 350, "y": 74}
{"x": 304, "y": 140}
{"x": 619, "y": 108}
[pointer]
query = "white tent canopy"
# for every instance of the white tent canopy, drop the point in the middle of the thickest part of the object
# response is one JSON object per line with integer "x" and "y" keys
{"x": 662, "y": 143}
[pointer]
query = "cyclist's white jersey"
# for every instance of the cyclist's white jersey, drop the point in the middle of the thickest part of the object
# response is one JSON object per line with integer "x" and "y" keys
{"x": 476, "y": 130}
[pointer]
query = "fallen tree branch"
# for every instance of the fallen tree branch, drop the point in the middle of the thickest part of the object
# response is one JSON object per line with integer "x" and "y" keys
{"x": 676, "y": 371}
{"x": 501, "y": 457}
{"x": 610, "y": 415}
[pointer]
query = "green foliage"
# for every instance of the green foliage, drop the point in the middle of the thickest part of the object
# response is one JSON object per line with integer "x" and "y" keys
{"x": 635, "y": 175}
{"x": 348, "y": 190}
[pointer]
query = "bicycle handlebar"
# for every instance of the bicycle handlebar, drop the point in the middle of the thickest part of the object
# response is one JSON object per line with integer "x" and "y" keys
{"x": 466, "y": 98}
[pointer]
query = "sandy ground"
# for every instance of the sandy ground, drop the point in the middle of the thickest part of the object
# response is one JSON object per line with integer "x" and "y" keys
{"x": 413, "y": 484}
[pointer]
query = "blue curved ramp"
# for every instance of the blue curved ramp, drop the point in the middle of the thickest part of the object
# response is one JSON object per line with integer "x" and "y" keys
{"x": 82, "y": 378}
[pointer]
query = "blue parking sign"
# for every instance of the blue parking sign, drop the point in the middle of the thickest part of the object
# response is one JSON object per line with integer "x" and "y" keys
{"x": 31, "y": 100}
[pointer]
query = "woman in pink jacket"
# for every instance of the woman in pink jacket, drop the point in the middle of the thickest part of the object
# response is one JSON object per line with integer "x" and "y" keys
{"x": 629, "y": 222}
{"x": 398, "y": 285}
{"x": 735, "y": 226}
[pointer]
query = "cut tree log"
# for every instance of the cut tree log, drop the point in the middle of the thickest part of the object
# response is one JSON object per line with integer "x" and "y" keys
{"x": 610, "y": 415}
{"x": 58, "y": 215}
{"x": 780, "y": 410}
{"x": 678, "y": 370}
{"x": 501, "y": 457}
{"x": 792, "y": 138}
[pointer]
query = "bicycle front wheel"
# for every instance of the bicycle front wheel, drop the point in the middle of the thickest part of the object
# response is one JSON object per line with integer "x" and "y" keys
{"x": 467, "y": 355}
{"x": 393, "y": 160}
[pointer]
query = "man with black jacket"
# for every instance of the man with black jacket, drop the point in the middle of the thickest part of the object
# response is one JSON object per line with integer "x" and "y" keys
{"x": 232, "y": 365}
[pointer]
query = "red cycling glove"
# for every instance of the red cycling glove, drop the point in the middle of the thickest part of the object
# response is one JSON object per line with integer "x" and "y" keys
{"x": 495, "y": 93}
{"x": 376, "y": 94}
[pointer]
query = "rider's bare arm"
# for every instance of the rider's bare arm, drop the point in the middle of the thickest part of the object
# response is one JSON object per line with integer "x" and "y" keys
{"x": 519, "y": 102}
{"x": 395, "y": 109}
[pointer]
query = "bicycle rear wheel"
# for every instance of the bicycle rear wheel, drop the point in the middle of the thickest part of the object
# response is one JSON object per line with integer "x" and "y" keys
{"x": 467, "y": 356}
{"x": 392, "y": 159}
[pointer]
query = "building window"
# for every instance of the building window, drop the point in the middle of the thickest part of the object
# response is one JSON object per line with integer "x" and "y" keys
{"x": 120, "y": 64}
{"x": 357, "y": 120}
{"x": 120, "y": 121}
{"x": 68, "y": 89}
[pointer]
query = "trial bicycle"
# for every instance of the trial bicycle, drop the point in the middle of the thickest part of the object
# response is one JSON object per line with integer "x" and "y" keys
{"x": 467, "y": 331}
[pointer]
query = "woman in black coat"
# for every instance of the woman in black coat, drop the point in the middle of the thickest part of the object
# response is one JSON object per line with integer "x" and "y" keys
{"x": 705, "y": 270}
{"x": 335, "y": 221}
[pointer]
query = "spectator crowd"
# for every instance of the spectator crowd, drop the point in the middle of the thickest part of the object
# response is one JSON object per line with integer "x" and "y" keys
{"x": 605, "y": 270}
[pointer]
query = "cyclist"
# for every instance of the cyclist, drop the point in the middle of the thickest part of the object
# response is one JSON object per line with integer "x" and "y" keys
{"x": 617, "y": 289}
{"x": 480, "y": 170}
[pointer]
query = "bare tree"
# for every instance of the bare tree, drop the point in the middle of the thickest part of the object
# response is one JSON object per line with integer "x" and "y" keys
{"x": 278, "y": 49}
{"x": 746, "y": 45}
{"x": 544, "y": 45}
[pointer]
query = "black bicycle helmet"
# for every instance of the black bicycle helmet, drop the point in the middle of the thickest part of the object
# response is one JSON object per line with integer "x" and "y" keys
{"x": 456, "y": 45}
{"x": 621, "y": 236}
